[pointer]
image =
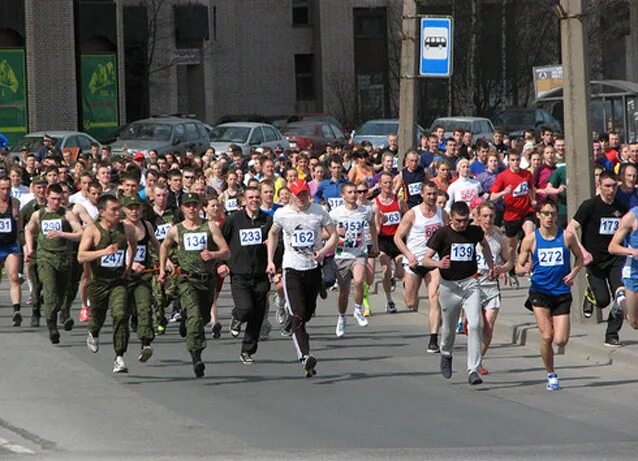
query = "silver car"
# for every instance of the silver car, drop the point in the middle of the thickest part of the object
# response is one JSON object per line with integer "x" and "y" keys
{"x": 376, "y": 132}
{"x": 246, "y": 135}
{"x": 480, "y": 127}
{"x": 61, "y": 140}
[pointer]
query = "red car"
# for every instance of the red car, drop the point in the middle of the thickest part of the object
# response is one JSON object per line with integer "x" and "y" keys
{"x": 312, "y": 136}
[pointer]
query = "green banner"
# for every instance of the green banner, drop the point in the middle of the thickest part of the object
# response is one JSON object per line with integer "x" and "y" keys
{"x": 99, "y": 94}
{"x": 13, "y": 94}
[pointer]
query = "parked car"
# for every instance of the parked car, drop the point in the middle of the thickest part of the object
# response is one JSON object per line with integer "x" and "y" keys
{"x": 377, "y": 131}
{"x": 61, "y": 140}
{"x": 327, "y": 118}
{"x": 481, "y": 128}
{"x": 246, "y": 135}
{"x": 163, "y": 134}
{"x": 515, "y": 120}
{"x": 312, "y": 135}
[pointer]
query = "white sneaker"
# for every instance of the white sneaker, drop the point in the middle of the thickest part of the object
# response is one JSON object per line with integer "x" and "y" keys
{"x": 119, "y": 366}
{"x": 360, "y": 318}
{"x": 92, "y": 343}
{"x": 341, "y": 326}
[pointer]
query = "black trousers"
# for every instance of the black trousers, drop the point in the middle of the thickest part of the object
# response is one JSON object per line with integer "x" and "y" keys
{"x": 250, "y": 293}
{"x": 602, "y": 279}
{"x": 301, "y": 289}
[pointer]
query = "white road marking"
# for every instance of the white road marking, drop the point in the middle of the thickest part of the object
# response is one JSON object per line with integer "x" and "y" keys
{"x": 15, "y": 448}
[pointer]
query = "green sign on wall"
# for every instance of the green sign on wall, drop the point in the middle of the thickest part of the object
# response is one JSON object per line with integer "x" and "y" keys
{"x": 99, "y": 94}
{"x": 13, "y": 94}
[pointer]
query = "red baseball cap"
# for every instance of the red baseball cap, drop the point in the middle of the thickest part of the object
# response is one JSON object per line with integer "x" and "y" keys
{"x": 298, "y": 187}
{"x": 138, "y": 156}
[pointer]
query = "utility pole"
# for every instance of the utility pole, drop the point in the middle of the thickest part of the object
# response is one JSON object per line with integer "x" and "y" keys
{"x": 576, "y": 106}
{"x": 407, "y": 86}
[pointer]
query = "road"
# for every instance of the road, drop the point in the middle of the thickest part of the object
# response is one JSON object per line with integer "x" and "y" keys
{"x": 377, "y": 395}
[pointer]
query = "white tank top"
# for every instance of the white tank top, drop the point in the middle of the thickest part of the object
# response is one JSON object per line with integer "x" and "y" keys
{"x": 422, "y": 229}
{"x": 91, "y": 209}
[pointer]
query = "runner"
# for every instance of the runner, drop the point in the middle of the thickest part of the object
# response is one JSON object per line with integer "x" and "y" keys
{"x": 597, "y": 219}
{"x": 246, "y": 232}
{"x": 139, "y": 286}
{"x": 625, "y": 243}
{"x": 104, "y": 245}
{"x": 10, "y": 249}
{"x": 302, "y": 224}
{"x": 351, "y": 254}
{"x": 411, "y": 178}
{"x": 489, "y": 288}
{"x": 388, "y": 209}
{"x": 55, "y": 228}
{"x": 464, "y": 189}
{"x": 39, "y": 187}
{"x": 455, "y": 244}
{"x": 545, "y": 253}
{"x": 200, "y": 245}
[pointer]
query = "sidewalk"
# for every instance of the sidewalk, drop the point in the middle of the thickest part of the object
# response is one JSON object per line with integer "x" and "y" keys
{"x": 516, "y": 325}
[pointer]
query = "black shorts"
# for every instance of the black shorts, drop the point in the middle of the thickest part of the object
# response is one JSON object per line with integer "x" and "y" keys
{"x": 387, "y": 246}
{"x": 513, "y": 228}
{"x": 557, "y": 304}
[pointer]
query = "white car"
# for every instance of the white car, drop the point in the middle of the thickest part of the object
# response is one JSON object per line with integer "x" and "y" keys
{"x": 480, "y": 127}
{"x": 246, "y": 135}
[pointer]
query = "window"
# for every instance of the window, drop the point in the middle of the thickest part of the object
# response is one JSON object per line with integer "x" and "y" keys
{"x": 202, "y": 131}
{"x": 300, "y": 12}
{"x": 84, "y": 143}
{"x": 71, "y": 141}
{"x": 179, "y": 133}
{"x": 270, "y": 133}
{"x": 257, "y": 137}
{"x": 304, "y": 79}
{"x": 191, "y": 132}
{"x": 326, "y": 132}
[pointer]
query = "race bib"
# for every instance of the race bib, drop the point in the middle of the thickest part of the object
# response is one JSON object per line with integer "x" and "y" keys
{"x": 303, "y": 238}
{"x": 430, "y": 229}
{"x": 395, "y": 163}
{"x": 51, "y": 225}
{"x": 626, "y": 269}
{"x": 334, "y": 202}
{"x": 195, "y": 241}
{"x": 392, "y": 218}
{"x": 5, "y": 225}
{"x": 467, "y": 195}
{"x": 415, "y": 188}
{"x": 481, "y": 262}
{"x": 521, "y": 189}
{"x": 114, "y": 260}
{"x": 461, "y": 252}
{"x": 550, "y": 257}
{"x": 162, "y": 231}
{"x": 140, "y": 254}
{"x": 249, "y": 237}
{"x": 608, "y": 226}
{"x": 231, "y": 204}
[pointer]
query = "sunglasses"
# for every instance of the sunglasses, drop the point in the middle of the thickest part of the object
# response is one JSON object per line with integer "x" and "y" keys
{"x": 362, "y": 191}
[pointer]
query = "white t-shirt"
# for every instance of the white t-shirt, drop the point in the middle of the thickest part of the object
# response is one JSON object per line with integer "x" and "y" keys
{"x": 78, "y": 197}
{"x": 463, "y": 190}
{"x": 352, "y": 226}
{"x": 301, "y": 232}
{"x": 17, "y": 192}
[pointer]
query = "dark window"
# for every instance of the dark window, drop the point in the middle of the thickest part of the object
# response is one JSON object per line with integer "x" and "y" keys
{"x": 300, "y": 12}
{"x": 179, "y": 133}
{"x": 270, "y": 134}
{"x": 202, "y": 131}
{"x": 303, "y": 77}
{"x": 191, "y": 132}
{"x": 84, "y": 142}
{"x": 257, "y": 137}
{"x": 71, "y": 141}
{"x": 326, "y": 132}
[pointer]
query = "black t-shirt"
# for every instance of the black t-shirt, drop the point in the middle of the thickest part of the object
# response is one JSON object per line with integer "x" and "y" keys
{"x": 460, "y": 247}
{"x": 599, "y": 221}
{"x": 246, "y": 238}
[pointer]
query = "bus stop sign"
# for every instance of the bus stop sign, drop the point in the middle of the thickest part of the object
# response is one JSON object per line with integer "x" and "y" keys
{"x": 436, "y": 47}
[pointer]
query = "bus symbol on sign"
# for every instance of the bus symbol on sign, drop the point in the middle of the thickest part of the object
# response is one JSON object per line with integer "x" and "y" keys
{"x": 436, "y": 47}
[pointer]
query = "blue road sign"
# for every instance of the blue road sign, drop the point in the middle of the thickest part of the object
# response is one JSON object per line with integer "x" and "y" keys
{"x": 436, "y": 47}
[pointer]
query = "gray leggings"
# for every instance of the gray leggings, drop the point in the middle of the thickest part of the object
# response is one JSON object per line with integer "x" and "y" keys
{"x": 453, "y": 295}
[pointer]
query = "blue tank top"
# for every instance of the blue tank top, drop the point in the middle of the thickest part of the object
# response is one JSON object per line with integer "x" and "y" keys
{"x": 550, "y": 264}
{"x": 630, "y": 269}
{"x": 413, "y": 181}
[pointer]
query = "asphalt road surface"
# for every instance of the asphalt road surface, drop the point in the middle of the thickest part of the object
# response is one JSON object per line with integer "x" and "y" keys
{"x": 377, "y": 395}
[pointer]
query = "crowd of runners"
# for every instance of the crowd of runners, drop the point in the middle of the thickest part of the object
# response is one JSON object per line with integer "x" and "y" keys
{"x": 155, "y": 237}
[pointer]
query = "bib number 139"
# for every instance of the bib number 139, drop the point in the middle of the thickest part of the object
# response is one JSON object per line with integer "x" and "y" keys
{"x": 462, "y": 252}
